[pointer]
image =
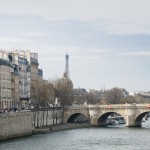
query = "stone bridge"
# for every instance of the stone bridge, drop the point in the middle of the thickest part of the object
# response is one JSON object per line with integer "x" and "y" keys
{"x": 98, "y": 114}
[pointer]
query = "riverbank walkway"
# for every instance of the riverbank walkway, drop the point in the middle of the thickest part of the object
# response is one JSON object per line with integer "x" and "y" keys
{"x": 59, "y": 127}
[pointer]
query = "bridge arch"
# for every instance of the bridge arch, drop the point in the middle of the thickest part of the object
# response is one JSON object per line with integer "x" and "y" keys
{"x": 77, "y": 118}
{"x": 102, "y": 120}
{"x": 139, "y": 118}
{"x": 74, "y": 114}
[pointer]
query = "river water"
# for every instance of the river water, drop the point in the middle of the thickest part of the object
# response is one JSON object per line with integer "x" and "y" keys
{"x": 99, "y": 138}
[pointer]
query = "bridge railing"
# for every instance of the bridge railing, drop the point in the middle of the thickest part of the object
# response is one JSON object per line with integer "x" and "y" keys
{"x": 120, "y": 106}
{"x": 123, "y": 106}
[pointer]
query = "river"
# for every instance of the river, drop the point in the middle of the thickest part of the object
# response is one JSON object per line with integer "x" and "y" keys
{"x": 99, "y": 138}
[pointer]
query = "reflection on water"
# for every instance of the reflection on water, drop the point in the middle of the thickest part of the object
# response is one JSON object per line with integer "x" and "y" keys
{"x": 100, "y": 138}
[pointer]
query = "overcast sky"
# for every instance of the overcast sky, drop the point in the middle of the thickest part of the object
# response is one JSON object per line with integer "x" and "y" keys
{"x": 108, "y": 41}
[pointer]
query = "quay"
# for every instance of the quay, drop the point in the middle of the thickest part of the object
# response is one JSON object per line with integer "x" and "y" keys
{"x": 59, "y": 127}
{"x": 14, "y": 125}
{"x": 22, "y": 123}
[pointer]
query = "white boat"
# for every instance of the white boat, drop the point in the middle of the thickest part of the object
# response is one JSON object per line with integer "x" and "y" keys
{"x": 115, "y": 120}
{"x": 112, "y": 122}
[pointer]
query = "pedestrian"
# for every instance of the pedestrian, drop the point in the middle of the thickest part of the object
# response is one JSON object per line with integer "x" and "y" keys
{"x": 50, "y": 129}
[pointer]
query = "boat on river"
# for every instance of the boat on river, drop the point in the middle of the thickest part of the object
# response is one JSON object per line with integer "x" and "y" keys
{"x": 112, "y": 122}
{"x": 116, "y": 120}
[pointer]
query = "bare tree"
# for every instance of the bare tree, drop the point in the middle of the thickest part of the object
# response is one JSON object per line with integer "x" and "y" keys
{"x": 64, "y": 92}
{"x": 128, "y": 99}
{"x": 50, "y": 93}
{"x": 79, "y": 96}
{"x": 46, "y": 91}
{"x": 35, "y": 84}
{"x": 113, "y": 96}
{"x": 65, "y": 96}
{"x": 42, "y": 92}
{"x": 140, "y": 99}
{"x": 91, "y": 98}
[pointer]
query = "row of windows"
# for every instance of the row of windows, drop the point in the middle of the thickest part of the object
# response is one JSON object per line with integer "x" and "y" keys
{"x": 23, "y": 81}
{"x": 7, "y": 104}
{"x": 5, "y": 94}
{"x": 5, "y": 75}
{"x": 5, "y": 85}
{"x": 23, "y": 74}
{"x": 4, "y": 69}
{"x": 24, "y": 93}
{"x": 22, "y": 60}
{"x": 24, "y": 89}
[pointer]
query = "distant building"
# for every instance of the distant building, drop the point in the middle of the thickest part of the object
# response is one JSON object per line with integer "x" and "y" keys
{"x": 98, "y": 94}
{"x": 65, "y": 81}
{"x": 5, "y": 84}
{"x": 80, "y": 95}
{"x": 144, "y": 93}
{"x": 124, "y": 92}
{"x": 133, "y": 93}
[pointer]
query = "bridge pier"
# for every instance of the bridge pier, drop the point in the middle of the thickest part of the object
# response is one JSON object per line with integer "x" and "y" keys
{"x": 93, "y": 120}
{"x": 130, "y": 122}
{"x": 131, "y": 115}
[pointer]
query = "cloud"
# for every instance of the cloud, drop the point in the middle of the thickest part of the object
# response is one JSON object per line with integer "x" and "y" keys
{"x": 36, "y": 33}
{"x": 101, "y": 36}
{"x": 136, "y": 53}
{"x": 118, "y": 17}
{"x": 125, "y": 28}
{"x": 77, "y": 9}
{"x": 12, "y": 41}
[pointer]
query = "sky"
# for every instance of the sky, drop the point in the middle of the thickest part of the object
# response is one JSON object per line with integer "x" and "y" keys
{"x": 108, "y": 41}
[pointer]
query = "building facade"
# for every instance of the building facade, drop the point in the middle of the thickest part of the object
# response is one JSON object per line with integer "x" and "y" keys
{"x": 5, "y": 84}
{"x": 19, "y": 69}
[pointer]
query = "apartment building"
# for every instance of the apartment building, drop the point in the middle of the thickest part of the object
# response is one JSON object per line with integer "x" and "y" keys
{"x": 5, "y": 84}
{"x": 22, "y": 70}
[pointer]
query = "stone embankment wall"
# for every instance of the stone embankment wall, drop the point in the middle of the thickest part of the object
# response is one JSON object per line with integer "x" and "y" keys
{"x": 60, "y": 127}
{"x": 15, "y": 124}
{"x": 46, "y": 117}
